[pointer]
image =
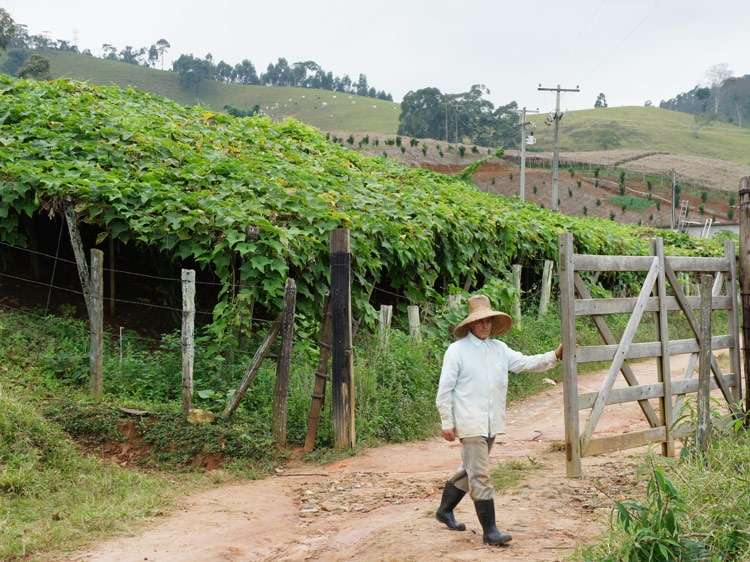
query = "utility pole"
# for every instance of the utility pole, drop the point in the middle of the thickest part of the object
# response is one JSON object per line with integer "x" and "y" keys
{"x": 556, "y": 157}
{"x": 523, "y": 124}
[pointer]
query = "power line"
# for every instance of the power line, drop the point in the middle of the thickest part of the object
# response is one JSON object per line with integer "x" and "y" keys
{"x": 621, "y": 43}
{"x": 580, "y": 33}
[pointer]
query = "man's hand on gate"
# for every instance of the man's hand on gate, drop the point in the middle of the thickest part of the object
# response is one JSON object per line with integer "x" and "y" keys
{"x": 449, "y": 434}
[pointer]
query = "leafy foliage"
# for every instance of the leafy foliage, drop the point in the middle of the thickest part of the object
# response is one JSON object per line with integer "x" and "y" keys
{"x": 189, "y": 183}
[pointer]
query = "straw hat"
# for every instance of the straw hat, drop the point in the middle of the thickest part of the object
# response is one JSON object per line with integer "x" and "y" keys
{"x": 480, "y": 308}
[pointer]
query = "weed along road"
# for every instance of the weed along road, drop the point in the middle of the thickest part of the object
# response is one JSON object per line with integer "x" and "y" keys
{"x": 380, "y": 505}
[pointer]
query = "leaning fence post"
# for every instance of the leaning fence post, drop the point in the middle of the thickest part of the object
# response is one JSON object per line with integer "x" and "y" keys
{"x": 77, "y": 244}
{"x": 281, "y": 394}
{"x": 517, "y": 303}
{"x": 96, "y": 312}
{"x": 415, "y": 329}
{"x": 703, "y": 423}
{"x": 546, "y": 288}
{"x": 188, "y": 341}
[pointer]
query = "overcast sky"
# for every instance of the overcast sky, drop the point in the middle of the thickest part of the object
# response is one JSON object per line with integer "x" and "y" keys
{"x": 631, "y": 50}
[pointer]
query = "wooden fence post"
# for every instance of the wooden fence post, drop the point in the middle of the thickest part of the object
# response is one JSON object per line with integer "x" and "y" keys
{"x": 321, "y": 375}
{"x": 111, "y": 276}
{"x": 78, "y": 252}
{"x": 415, "y": 329}
{"x": 342, "y": 371}
{"x": 386, "y": 315}
{"x": 570, "y": 367}
{"x": 96, "y": 312}
{"x": 517, "y": 303}
{"x": 188, "y": 340}
{"x": 546, "y": 288}
{"x": 745, "y": 283}
{"x": 703, "y": 423}
{"x": 284, "y": 364}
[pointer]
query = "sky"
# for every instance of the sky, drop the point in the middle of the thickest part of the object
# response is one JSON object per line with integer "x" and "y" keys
{"x": 630, "y": 50}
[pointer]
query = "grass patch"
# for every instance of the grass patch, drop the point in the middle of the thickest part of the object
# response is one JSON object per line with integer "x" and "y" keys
{"x": 695, "y": 508}
{"x": 507, "y": 474}
{"x": 633, "y": 203}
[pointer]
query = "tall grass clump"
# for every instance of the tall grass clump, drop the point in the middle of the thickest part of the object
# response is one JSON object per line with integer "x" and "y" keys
{"x": 696, "y": 508}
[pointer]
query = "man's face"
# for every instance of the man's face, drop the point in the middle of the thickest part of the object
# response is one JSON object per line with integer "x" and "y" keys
{"x": 481, "y": 328}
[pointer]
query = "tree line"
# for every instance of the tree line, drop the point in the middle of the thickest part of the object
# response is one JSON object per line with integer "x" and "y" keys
{"x": 461, "y": 117}
{"x": 304, "y": 74}
{"x": 722, "y": 97}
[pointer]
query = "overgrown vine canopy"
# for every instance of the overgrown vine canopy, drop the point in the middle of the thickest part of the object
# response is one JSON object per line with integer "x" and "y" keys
{"x": 190, "y": 182}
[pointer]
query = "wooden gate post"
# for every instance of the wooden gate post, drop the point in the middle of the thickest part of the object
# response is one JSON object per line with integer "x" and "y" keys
{"x": 188, "y": 339}
{"x": 745, "y": 283}
{"x": 703, "y": 423}
{"x": 570, "y": 366}
{"x": 96, "y": 312}
{"x": 283, "y": 367}
{"x": 735, "y": 364}
{"x": 342, "y": 371}
{"x": 546, "y": 288}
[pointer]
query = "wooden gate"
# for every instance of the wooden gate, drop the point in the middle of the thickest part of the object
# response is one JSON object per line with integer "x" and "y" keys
{"x": 661, "y": 292}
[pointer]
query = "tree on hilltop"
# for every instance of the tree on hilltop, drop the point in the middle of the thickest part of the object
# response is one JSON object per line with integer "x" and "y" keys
{"x": 601, "y": 101}
{"x": 162, "y": 45}
{"x": 716, "y": 75}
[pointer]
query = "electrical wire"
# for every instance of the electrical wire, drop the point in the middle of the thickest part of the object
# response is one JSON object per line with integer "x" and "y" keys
{"x": 580, "y": 33}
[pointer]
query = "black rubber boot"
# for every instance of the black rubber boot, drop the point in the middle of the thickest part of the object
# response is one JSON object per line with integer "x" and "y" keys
{"x": 486, "y": 514}
{"x": 444, "y": 514}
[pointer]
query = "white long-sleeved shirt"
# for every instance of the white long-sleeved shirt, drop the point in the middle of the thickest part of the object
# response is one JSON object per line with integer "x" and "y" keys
{"x": 474, "y": 384}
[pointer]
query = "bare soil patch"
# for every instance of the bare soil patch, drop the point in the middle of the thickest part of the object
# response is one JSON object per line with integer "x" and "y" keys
{"x": 380, "y": 505}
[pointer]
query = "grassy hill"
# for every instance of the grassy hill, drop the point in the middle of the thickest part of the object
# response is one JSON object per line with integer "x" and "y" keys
{"x": 638, "y": 128}
{"x": 645, "y": 128}
{"x": 342, "y": 112}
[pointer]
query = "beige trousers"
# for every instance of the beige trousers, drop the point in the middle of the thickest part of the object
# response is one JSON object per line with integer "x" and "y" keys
{"x": 473, "y": 476}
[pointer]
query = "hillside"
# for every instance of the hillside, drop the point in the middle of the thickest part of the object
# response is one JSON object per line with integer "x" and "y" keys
{"x": 348, "y": 111}
{"x": 646, "y": 129}
{"x": 636, "y": 128}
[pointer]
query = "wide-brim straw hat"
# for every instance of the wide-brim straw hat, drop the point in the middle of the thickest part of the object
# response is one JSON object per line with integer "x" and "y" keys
{"x": 479, "y": 309}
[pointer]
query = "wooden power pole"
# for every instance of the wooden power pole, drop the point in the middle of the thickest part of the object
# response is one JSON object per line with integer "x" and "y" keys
{"x": 556, "y": 157}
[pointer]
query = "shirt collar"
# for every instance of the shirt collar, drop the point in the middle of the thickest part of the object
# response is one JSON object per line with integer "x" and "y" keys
{"x": 475, "y": 340}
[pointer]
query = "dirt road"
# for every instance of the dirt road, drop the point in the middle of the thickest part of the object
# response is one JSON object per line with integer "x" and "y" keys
{"x": 380, "y": 505}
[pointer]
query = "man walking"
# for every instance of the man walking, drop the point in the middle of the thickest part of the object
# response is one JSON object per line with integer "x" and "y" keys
{"x": 471, "y": 402}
